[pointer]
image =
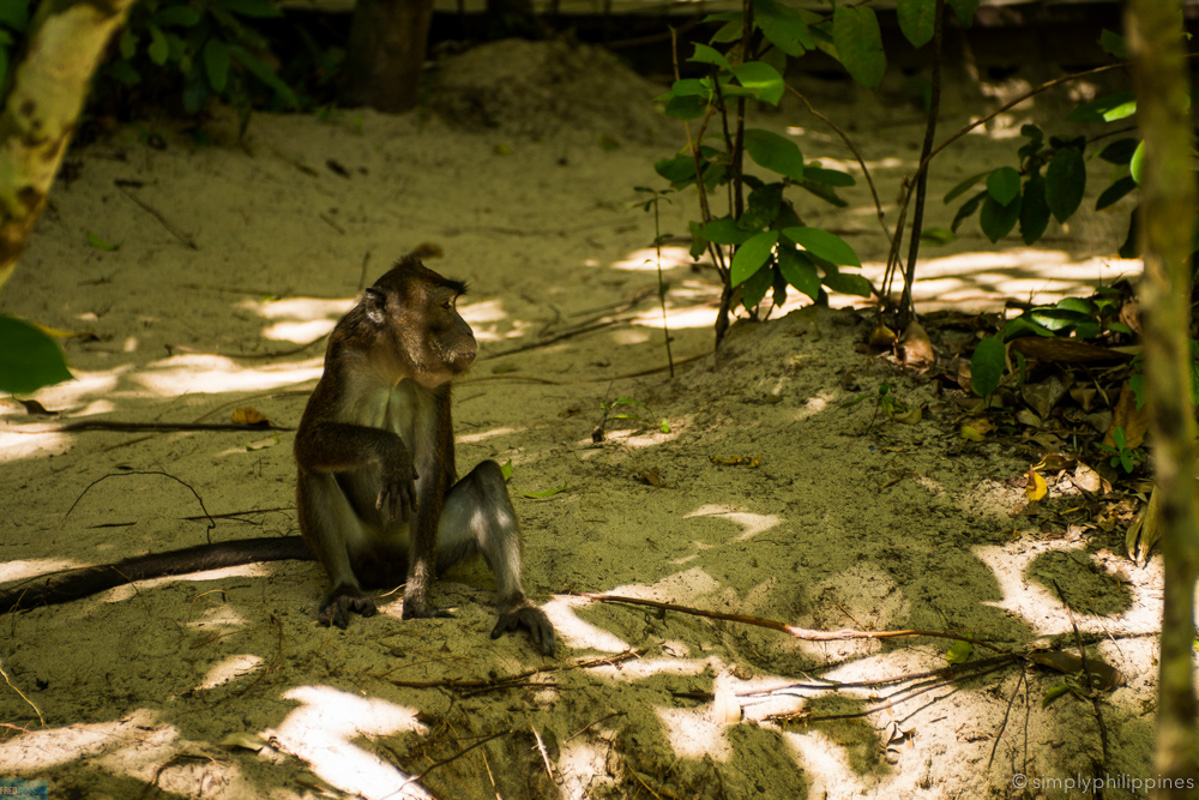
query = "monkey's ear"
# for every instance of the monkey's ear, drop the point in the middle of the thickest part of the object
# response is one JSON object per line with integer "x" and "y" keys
{"x": 374, "y": 302}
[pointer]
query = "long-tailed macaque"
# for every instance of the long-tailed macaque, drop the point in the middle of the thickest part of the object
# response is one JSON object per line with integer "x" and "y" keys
{"x": 377, "y": 493}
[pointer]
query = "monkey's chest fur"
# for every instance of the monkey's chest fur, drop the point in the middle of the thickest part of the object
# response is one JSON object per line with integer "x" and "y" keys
{"x": 381, "y": 545}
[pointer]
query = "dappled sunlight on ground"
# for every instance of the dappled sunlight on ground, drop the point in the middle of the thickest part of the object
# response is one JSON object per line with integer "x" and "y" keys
{"x": 983, "y": 280}
{"x": 325, "y": 728}
{"x": 189, "y": 374}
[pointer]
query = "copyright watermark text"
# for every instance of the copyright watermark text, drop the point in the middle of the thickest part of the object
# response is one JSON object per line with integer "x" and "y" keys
{"x": 1090, "y": 784}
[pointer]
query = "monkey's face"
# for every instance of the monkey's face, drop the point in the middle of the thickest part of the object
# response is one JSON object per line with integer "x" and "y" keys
{"x": 447, "y": 348}
{"x": 412, "y": 313}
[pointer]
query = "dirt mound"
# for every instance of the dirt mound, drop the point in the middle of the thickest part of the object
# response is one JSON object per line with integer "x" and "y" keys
{"x": 539, "y": 89}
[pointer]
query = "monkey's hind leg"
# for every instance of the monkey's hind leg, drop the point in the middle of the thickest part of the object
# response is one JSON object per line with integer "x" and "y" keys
{"x": 334, "y": 533}
{"x": 478, "y": 517}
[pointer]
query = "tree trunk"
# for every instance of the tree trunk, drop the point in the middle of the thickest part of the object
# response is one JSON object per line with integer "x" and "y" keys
{"x": 1154, "y": 29}
{"x": 64, "y": 44}
{"x": 386, "y": 51}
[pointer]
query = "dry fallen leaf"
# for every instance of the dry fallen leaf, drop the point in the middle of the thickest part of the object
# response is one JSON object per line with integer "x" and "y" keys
{"x": 652, "y": 477}
{"x": 1037, "y": 488}
{"x": 737, "y": 461}
{"x": 1055, "y": 462}
{"x": 882, "y": 337}
{"x": 247, "y": 415}
{"x": 915, "y": 349}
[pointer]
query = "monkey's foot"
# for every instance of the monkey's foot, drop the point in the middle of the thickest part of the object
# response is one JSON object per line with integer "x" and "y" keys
{"x": 343, "y": 601}
{"x": 530, "y": 618}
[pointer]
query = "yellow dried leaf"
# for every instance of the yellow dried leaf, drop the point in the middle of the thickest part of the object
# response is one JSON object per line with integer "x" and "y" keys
{"x": 1037, "y": 488}
{"x": 971, "y": 433}
{"x": 247, "y": 415}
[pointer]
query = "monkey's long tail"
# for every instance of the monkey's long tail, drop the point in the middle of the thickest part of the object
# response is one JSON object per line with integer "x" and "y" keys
{"x": 62, "y": 587}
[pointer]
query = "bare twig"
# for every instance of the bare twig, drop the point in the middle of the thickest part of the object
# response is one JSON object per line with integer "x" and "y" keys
{"x": 519, "y": 677}
{"x": 906, "y": 309}
{"x": 419, "y": 777}
{"x": 200, "y": 500}
{"x": 1006, "y": 712}
{"x": 171, "y": 229}
{"x": 857, "y": 154}
{"x": 807, "y": 634}
{"x": 32, "y": 705}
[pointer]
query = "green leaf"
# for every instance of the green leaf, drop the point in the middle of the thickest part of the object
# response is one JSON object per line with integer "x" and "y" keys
{"x": 986, "y": 366}
{"x": 15, "y": 14}
{"x": 917, "y": 19}
{"x": 755, "y": 287}
{"x": 822, "y": 190}
{"x": 968, "y": 208}
{"x": 750, "y": 257}
{"x": 725, "y": 231}
{"x": 177, "y": 15}
{"x": 29, "y": 359}
{"x": 506, "y": 470}
{"x": 959, "y": 652}
{"x": 124, "y": 72}
{"x": 823, "y": 244}
{"x": 1114, "y": 44}
{"x": 1108, "y": 108}
{"x": 1015, "y": 328}
{"x": 250, "y": 8}
{"x": 859, "y": 43}
{"x": 679, "y": 170}
{"x": 1054, "y": 693}
{"x": 964, "y": 9}
{"x": 685, "y": 107}
{"x": 265, "y": 74}
{"x": 128, "y": 44}
{"x": 1034, "y": 211}
{"x": 762, "y": 207}
{"x": 774, "y": 152}
{"x": 710, "y": 55}
{"x": 783, "y": 27}
{"x": 937, "y": 236}
{"x": 799, "y": 271}
{"x": 728, "y": 32}
{"x": 1003, "y": 185}
{"x": 1057, "y": 319}
{"x": 964, "y": 186}
{"x": 831, "y": 177}
{"x": 1115, "y": 192}
{"x": 689, "y": 87}
{"x": 761, "y": 79}
{"x": 98, "y": 243}
{"x": 1136, "y": 165}
{"x": 1065, "y": 182}
{"x": 158, "y": 49}
{"x": 996, "y": 220}
{"x": 216, "y": 64}
{"x": 1120, "y": 151}
{"x": 844, "y": 283}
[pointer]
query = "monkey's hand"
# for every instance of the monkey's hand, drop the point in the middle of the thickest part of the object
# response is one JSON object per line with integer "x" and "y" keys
{"x": 397, "y": 492}
{"x": 343, "y": 601}
{"x": 530, "y": 618}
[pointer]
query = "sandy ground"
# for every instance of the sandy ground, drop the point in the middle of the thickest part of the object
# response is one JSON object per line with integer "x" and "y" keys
{"x": 235, "y": 259}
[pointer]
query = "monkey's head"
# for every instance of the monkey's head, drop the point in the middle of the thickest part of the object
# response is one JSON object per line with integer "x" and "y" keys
{"x": 412, "y": 310}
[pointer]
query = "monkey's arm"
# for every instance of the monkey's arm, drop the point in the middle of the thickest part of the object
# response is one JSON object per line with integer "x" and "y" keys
{"x": 333, "y": 447}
